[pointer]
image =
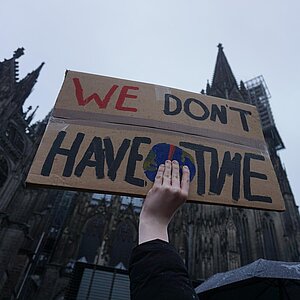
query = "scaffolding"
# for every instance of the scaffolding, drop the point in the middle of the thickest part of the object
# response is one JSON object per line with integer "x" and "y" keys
{"x": 259, "y": 96}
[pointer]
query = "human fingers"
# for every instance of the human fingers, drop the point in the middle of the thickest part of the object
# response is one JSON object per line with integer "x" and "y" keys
{"x": 185, "y": 181}
{"x": 159, "y": 175}
{"x": 175, "y": 174}
{"x": 167, "y": 173}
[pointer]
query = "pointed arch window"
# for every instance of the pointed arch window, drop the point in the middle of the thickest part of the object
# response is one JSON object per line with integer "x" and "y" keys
{"x": 231, "y": 235}
{"x": 244, "y": 240}
{"x": 3, "y": 170}
{"x": 91, "y": 239}
{"x": 123, "y": 242}
{"x": 270, "y": 240}
{"x": 216, "y": 251}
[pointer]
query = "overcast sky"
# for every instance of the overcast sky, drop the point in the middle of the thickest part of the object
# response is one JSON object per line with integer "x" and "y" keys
{"x": 170, "y": 43}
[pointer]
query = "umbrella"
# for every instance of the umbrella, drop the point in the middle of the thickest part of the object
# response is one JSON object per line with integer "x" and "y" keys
{"x": 262, "y": 279}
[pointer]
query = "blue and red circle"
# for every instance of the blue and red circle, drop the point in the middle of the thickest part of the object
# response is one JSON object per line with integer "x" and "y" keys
{"x": 162, "y": 152}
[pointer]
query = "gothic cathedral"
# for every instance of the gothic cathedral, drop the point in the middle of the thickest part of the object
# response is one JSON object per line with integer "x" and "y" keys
{"x": 44, "y": 232}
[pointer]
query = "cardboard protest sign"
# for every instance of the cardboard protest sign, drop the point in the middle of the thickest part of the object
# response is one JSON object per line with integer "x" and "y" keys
{"x": 110, "y": 135}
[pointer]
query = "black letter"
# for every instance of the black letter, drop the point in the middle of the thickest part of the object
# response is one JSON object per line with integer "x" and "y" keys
{"x": 167, "y": 105}
{"x": 187, "y": 110}
{"x": 243, "y": 114}
{"x": 222, "y": 114}
{"x": 199, "y": 151}
{"x": 229, "y": 167}
{"x": 247, "y": 176}
{"x": 134, "y": 156}
{"x": 113, "y": 164}
{"x": 56, "y": 150}
{"x": 95, "y": 147}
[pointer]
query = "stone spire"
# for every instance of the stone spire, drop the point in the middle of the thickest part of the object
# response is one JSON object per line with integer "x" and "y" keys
{"x": 224, "y": 84}
{"x": 26, "y": 85}
{"x": 13, "y": 92}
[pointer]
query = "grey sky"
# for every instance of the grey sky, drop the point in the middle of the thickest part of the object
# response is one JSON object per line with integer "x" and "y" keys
{"x": 170, "y": 43}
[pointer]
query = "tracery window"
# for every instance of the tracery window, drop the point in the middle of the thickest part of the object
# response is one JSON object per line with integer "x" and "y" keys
{"x": 270, "y": 240}
{"x": 245, "y": 247}
{"x": 91, "y": 239}
{"x": 123, "y": 242}
{"x": 3, "y": 170}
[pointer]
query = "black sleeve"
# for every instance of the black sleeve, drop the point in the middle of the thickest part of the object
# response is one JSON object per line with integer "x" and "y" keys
{"x": 157, "y": 272}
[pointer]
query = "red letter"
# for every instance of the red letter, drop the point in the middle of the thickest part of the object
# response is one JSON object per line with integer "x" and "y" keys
{"x": 123, "y": 96}
{"x": 101, "y": 103}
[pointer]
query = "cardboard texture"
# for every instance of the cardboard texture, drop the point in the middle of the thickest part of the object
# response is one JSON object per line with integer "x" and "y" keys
{"x": 110, "y": 135}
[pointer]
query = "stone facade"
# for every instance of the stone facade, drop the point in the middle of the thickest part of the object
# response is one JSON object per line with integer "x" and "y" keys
{"x": 44, "y": 232}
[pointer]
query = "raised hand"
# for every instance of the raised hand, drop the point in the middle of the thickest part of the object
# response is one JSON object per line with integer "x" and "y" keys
{"x": 163, "y": 199}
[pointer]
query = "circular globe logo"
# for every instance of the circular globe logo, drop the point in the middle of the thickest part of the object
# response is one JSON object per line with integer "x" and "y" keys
{"x": 160, "y": 153}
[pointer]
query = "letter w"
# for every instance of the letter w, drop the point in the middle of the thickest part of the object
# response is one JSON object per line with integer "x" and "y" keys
{"x": 83, "y": 101}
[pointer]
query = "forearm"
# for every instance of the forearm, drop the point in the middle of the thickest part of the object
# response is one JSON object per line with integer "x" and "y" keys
{"x": 151, "y": 230}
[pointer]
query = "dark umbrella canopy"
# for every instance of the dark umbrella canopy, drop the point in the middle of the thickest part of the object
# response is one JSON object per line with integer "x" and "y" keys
{"x": 262, "y": 279}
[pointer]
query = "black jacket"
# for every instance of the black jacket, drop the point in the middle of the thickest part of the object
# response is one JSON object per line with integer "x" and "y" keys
{"x": 157, "y": 272}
